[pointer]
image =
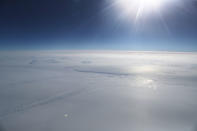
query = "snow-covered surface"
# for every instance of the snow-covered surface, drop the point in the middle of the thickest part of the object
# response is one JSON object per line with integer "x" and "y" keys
{"x": 98, "y": 91}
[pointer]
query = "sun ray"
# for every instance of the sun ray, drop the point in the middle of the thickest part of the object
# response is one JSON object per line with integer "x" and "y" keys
{"x": 142, "y": 13}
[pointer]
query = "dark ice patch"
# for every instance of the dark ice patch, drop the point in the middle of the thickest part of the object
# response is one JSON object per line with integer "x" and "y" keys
{"x": 33, "y": 62}
{"x": 52, "y": 61}
{"x": 102, "y": 72}
{"x": 86, "y": 62}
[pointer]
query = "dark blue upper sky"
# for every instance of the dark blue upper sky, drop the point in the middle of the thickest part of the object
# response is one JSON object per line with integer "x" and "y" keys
{"x": 94, "y": 24}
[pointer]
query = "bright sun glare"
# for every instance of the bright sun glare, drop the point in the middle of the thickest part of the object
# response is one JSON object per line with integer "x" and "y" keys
{"x": 148, "y": 4}
{"x": 139, "y": 8}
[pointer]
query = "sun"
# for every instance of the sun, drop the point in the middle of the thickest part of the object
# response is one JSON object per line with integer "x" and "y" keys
{"x": 139, "y": 8}
{"x": 148, "y": 4}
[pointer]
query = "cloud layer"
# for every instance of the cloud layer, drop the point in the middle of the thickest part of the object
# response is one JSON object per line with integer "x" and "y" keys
{"x": 98, "y": 90}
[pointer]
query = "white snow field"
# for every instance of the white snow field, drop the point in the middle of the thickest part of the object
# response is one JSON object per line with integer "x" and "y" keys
{"x": 98, "y": 91}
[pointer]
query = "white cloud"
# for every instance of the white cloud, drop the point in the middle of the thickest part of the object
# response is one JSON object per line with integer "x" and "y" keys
{"x": 98, "y": 91}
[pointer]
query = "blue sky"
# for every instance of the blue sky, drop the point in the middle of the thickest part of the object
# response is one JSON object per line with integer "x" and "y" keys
{"x": 93, "y": 24}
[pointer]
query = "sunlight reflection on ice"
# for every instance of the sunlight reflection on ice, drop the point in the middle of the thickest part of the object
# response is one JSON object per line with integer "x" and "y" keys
{"x": 146, "y": 83}
{"x": 150, "y": 84}
{"x": 143, "y": 79}
{"x": 144, "y": 69}
{"x": 65, "y": 115}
